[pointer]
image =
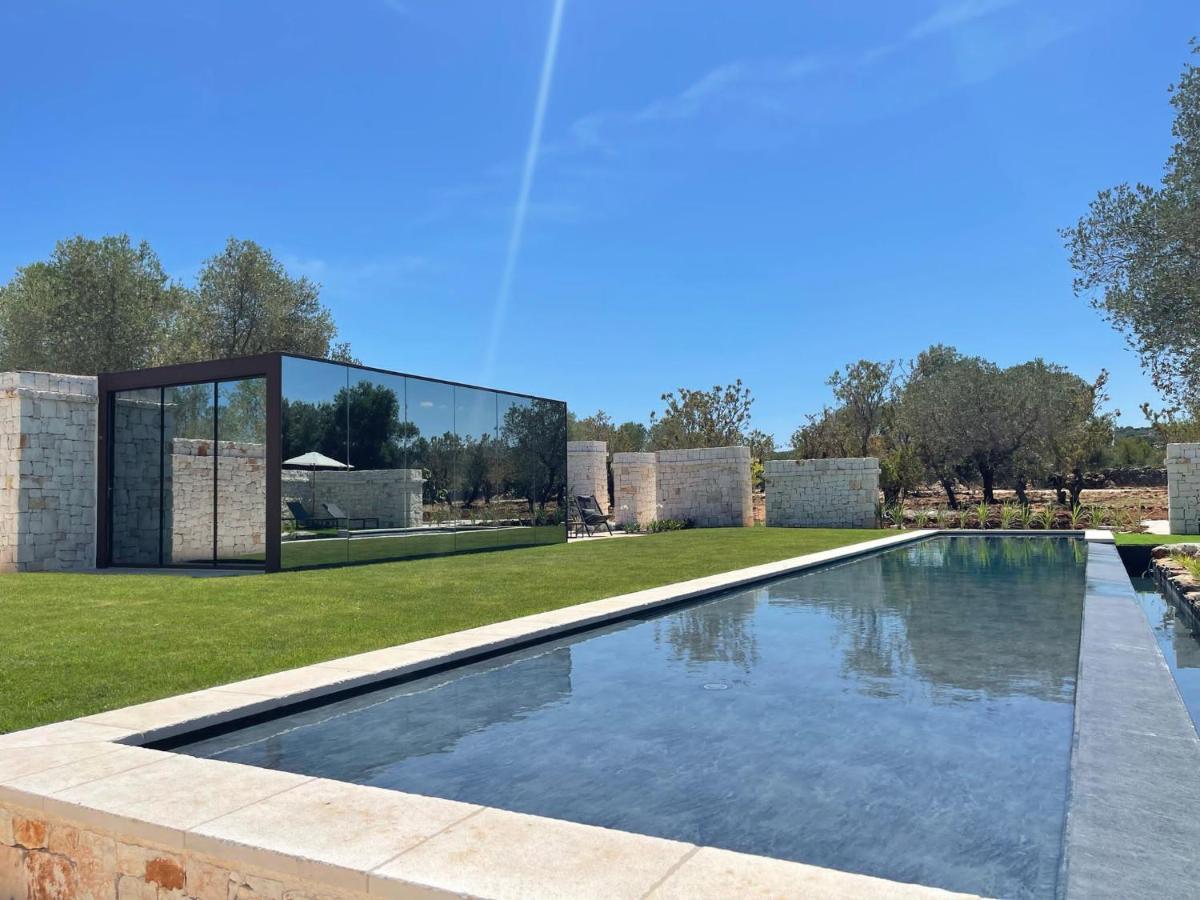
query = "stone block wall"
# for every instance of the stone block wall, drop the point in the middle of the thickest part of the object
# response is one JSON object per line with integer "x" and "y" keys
{"x": 47, "y": 471}
{"x": 587, "y": 470}
{"x": 1183, "y": 488}
{"x": 393, "y": 496}
{"x": 43, "y": 856}
{"x": 635, "y": 487}
{"x": 822, "y": 493}
{"x": 711, "y": 487}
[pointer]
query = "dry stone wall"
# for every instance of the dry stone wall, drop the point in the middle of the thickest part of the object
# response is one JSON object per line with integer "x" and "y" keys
{"x": 1183, "y": 488}
{"x": 635, "y": 487}
{"x": 43, "y": 856}
{"x": 822, "y": 493}
{"x": 709, "y": 487}
{"x": 47, "y": 471}
{"x": 587, "y": 470}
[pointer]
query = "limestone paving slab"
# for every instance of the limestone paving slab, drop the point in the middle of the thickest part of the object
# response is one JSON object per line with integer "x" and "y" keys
{"x": 194, "y": 710}
{"x": 327, "y": 831}
{"x": 32, "y": 788}
{"x": 500, "y": 854}
{"x": 170, "y": 796}
{"x": 712, "y": 872}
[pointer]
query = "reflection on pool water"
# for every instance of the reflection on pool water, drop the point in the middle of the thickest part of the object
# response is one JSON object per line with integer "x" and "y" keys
{"x": 1178, "y": 634}
{"x": 907, "y": 715}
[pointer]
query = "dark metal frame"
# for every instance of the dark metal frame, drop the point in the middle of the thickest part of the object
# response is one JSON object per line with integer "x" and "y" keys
{"x": 268, "y": 366}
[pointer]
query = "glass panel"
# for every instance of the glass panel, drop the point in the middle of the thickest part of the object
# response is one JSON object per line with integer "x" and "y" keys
{"x": 433, "y": 452}
{"x": 136, "y": 501}
{"x": 477, "y": 479}
{"x": 241, "y": 471}
{"x": 381, "y": 494}
{"x": 315, "y": 528}
{"x": 534, "y": 435}
{"x": 188, "y": 467}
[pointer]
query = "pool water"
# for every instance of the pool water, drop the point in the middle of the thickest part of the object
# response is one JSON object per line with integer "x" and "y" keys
{"x": 1178, "y": 634}
{"x": 906, "y": 714}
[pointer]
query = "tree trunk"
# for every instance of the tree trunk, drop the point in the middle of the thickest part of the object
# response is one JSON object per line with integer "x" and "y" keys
{"x": 1075, "y": 486}
{"x": 948, "y": 487}
{"x": 989, "y": 476}
{"x": 1019, "y": 487}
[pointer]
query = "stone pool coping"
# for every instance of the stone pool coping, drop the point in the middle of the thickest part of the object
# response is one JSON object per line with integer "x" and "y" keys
{"x": 352, "y": 840}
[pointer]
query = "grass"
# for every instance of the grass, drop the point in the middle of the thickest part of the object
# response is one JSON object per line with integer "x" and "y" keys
{"x": 1191, "y": 563}
{"x": 1153, "y": 540}
{"x": 76, "y": 644}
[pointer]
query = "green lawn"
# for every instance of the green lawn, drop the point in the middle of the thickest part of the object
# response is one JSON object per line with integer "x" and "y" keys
{"x": 79, "y": 644}
{"x": 1153, "y": 540}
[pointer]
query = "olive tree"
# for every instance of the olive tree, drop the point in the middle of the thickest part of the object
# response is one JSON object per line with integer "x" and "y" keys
{"x": 1137, "y": 257}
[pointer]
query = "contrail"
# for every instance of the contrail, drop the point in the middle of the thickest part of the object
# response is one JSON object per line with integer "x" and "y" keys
{"x": 522, "y": 206}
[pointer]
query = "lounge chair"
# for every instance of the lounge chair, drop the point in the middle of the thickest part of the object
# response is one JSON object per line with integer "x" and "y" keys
{"x": 591, "y": 515}
{"x": 336, "y": 512}
{"x": 304, "y": 519}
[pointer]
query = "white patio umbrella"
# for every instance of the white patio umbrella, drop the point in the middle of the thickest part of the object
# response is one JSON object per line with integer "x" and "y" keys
{"x": 312, "y": 460}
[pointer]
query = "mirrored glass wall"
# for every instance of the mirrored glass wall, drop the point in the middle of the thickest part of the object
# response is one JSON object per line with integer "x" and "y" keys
{"x": 380, "y": 466}
{"x": 188, "y": 474}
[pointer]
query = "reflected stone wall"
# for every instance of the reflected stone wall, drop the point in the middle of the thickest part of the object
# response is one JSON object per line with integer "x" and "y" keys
{"x": 822, "y": 493}
{"x": 47, "y": 471}
{"x": 241, "y": 499}
{"x": 393, "y": 496}
{"x": 1183, "y": 488}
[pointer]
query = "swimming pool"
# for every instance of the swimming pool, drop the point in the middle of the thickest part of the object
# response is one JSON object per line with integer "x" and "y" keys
{"x": 906, "y": 714}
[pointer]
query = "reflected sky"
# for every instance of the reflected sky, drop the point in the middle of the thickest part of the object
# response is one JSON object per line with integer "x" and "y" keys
{"x": 907, "y": 715}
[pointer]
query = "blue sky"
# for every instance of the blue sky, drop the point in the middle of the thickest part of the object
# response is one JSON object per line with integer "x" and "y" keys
{"x": 721, "y": 189}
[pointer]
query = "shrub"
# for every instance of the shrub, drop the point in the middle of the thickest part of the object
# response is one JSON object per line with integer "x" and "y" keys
{"x": 657, "y": 525}
{"x": 1026, "y": 516}
{"x": 982, "y": 511}
{"x": 1046, "y": 516}
{"x": 1008, "y": 515}
{"x": 1075, "y": 516}
{"x": 895, "y": 514}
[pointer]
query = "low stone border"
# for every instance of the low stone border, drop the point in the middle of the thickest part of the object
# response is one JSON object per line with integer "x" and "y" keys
{"x": 86, "y": 811}
{"x": 1175, "y": 578}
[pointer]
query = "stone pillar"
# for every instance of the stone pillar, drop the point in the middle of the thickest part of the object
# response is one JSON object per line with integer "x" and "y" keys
{"x": 587, "y": 470}
{"x": 635, "y": 491}
{"x": 47, "y": 471}
{"x": 710, "y": 487}
{"x": 822, "y": 493}
{"x": 1183, "y": 488}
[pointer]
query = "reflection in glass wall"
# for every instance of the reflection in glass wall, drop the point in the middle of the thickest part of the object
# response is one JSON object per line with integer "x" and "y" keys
{"x": 188, "y": 483}
{"x": 534, "y": 434}
{"x": 433, "y": 455}
{"x": 377, "y": 494}
{"x": 476, "y": 482}
{"x": 379, "y": 466}
{"x": 315, "y": 431}
{"x": 241, "y": 471}
{"x": 136, "y": 479}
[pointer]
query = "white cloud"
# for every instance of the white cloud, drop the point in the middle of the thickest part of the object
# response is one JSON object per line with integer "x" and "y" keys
{"x": 951, "y": 15}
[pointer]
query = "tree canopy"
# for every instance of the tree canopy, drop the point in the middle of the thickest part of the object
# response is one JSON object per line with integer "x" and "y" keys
{"x": 696, "y": 418}
{"x": 93, "y": 306}
{"x": 108, "y": 305}
{"x": 1137, "y": 257}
